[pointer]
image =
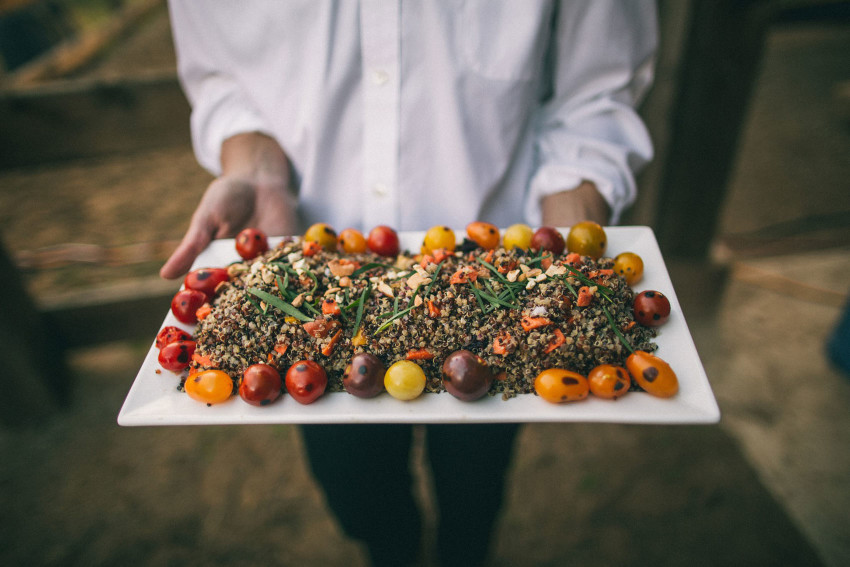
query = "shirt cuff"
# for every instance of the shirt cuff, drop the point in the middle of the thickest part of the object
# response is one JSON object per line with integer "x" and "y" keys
{"x": 618, "y": 191}
{"x": 217, "y": 121}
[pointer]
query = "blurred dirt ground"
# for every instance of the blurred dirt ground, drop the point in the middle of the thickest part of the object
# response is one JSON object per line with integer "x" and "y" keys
{"x": 767, "y": 486}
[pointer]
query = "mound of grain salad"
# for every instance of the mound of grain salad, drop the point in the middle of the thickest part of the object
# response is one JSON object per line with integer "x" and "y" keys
{"x": 516, "y": 311}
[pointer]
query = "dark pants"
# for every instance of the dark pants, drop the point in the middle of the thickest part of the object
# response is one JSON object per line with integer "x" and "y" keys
{"x": 364, "y": 471}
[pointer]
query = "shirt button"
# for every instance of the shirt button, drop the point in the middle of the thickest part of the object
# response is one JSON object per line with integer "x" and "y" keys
{"x": 380, "y": 189}
{"x": 380, "y": 77}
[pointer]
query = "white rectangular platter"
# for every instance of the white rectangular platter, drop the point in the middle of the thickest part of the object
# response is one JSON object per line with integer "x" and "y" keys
{"x": 154, "y": 398}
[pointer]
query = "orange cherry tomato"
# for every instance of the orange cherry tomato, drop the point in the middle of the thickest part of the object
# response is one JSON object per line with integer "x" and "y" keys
{"x": 209, "y": 386}
{"x": 588, "y": 239}
{"x": 557, "y": 385}
{"x": 652, "y": 374}
{"x": 484, "y": 234}
{"x": 251, "y": 242}
{"x": 609, "y": 381}
{"x": 323, "y": 234}
{"x": 630, "y": 266}
{"x": 351, "y": 241}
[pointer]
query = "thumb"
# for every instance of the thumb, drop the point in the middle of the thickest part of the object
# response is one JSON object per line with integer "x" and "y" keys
{"x": 194, "y": 242}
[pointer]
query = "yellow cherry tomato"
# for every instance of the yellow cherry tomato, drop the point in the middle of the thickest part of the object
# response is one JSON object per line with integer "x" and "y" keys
{"x": 517, "y": 236}
{"x": 209, "y": 386}
{"x": 609, "y": 381}
{"x": 438, "y": 237}
{"x": 652, "y": 374}
{"x": 484, "y": 234}
{"x": 351, "y": 241}
{"x": 323, "y": 234}
{"x": 588, "y": 239}
{"x": 630, "y": 266}
{"x": 404, "y": 380}
{"x": 557, "y": 385}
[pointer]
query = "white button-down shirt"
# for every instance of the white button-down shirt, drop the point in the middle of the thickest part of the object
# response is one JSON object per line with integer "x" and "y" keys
{"x": 413, "y": 114}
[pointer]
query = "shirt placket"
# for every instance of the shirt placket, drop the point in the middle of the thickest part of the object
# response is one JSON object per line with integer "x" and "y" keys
{"x": 380, "y": 44}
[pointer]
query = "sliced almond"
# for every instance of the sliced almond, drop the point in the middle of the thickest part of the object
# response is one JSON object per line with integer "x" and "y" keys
{"x": 417, "y": 279}
{"x": 341, "y": 268}
{"x": 385, "y": 289}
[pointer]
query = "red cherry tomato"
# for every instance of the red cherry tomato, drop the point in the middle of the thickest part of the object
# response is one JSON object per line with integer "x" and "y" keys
{"x": 548, "y": 239}
{"x": 251, "y": 242}
{"x": 176, "y": 356}
{"x": 261, "y": 385}
{"x": 185, "y": 303}
{"x": 383, "y": 241}
{"x": 171, "y": 334}
{"x": 306, "y": 381}
{"x": 205, "y": 280}
{"x": 652, "y": 308}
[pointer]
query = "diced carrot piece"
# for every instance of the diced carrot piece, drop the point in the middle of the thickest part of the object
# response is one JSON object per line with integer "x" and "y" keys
{"x": 318, "y": 328}
{"x": 545, "y": 262}
{"x": 330, "y": 307}
{"x": 584, "y": 296}
{"x": 573, "y": 258}
{"x": 433, "y": 310}
{"x": 419, "y": 354}
{"x": 506, "y": 267}
{"x": 441, "y": 254}
{"x": 489, "y": 257}
{"x": 281, "y": 348}
{"x": 464, "y": 275}
{"x": 202, "y": 360}
{"x": 459, "y": 277}
{"x": 203, "y": 311}
{"x": 310, "y": 248}
{"x": 531, "y": 323}
{"x": 556, "y": 341}
{"x": 329, "y": 348}
{"x": 500, "y": 344}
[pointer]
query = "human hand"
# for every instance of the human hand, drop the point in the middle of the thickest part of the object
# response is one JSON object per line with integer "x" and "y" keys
{"x": 576, "y": 205}
{"x": 252, "y": 191}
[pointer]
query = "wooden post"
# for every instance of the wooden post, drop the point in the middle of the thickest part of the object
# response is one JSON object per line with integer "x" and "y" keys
{"x": 720, "y": 66}
{"x": 34, "y": 380}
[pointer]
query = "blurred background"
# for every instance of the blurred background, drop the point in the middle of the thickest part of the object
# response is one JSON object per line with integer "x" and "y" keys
{"x": 749, "y": 197}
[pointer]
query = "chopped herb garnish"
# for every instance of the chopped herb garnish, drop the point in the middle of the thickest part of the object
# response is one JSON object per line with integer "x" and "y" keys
{"x": 362, "y": 303}
{"x": 616, "y": 330}
{"x": 279, "y": 303}
{"x": 367, "y": 267}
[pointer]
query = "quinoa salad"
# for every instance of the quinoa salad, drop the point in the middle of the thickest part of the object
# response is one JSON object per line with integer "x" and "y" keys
{"x": 520, "y": 311}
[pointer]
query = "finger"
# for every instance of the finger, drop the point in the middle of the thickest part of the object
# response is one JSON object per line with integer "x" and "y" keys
{"x": 194, "y": 242}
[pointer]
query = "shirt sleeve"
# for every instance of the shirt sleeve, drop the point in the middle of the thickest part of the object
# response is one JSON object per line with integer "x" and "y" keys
{"x": 220, "y": 107}
{"x": 600, "y": 65}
